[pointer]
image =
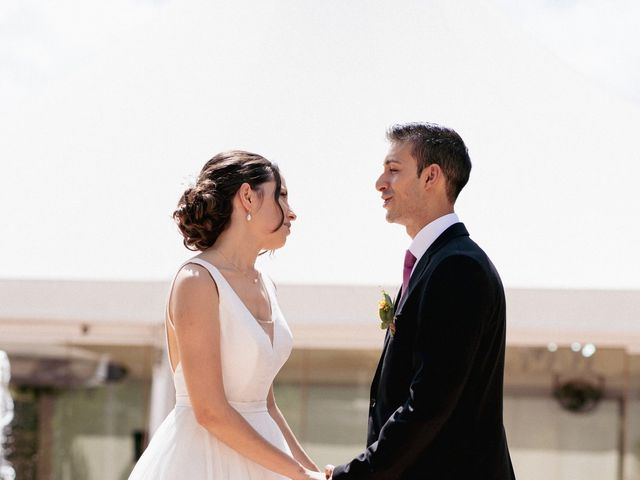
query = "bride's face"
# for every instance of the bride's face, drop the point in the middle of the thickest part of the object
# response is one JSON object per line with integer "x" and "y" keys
{"x": 269, "y": 220}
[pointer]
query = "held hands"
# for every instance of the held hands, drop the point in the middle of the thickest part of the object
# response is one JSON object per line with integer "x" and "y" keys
{"x": 328, "y": 471}
{"x": 307, "y": 474}
{"x": 310, "y": 475}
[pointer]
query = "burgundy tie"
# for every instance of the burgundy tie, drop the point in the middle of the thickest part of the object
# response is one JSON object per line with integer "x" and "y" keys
{"x": 409, "y": 262}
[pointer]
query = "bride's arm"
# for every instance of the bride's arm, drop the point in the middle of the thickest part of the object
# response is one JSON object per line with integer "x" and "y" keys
{"x": 298, "y": 452}
{"x": 194, "y": 310}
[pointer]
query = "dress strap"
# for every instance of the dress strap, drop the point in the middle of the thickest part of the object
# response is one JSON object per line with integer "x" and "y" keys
{"x": 217, "y": 278}
{"x": 270, "y": 287}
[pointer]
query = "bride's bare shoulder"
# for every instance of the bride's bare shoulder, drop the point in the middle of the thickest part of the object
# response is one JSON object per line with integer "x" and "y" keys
{"x": 192, "y": 273}
{"x": 193, "y": 288}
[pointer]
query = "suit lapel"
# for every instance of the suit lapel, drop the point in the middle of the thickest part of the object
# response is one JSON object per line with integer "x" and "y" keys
{"x": 455, "y": 230}
{"x": 419, "y": 270}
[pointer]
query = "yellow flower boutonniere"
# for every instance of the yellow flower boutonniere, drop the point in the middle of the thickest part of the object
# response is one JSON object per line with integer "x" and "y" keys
{"x": 386, "y": 310}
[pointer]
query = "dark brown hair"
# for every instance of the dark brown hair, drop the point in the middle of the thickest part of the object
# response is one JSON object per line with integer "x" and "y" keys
{"x": 204, "y": 210}
{"x": 435, "y": 144}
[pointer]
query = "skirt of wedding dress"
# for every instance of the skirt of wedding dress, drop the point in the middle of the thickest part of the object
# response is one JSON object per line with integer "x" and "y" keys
{"x": 181, "y": 449}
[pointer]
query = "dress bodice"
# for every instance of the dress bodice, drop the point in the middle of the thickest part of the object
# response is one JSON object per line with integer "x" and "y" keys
{"x": 181, "y": 447}
{"x": 250, "y": 361}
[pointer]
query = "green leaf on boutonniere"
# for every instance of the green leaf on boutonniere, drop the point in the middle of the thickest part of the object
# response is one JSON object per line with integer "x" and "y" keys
{"x": 386, "y": 310}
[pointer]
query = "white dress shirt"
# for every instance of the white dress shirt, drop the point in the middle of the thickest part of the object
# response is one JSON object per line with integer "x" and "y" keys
{"x": 425, "y": 237}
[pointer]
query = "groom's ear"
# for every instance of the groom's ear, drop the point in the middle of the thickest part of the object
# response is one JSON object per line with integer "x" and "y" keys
{"x": 431, "y": 174}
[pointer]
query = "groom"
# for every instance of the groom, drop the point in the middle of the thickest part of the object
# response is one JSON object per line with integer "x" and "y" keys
{"x": 436, "y": 398}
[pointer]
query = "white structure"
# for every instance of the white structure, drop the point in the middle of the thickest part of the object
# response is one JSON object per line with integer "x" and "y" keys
{"x": 553, "y": 336}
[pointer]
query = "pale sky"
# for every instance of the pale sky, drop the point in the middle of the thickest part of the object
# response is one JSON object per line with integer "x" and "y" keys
{"x": 110, "y": 108}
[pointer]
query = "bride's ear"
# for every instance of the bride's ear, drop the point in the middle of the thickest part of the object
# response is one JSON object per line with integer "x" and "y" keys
{"x": 246, "y": 196}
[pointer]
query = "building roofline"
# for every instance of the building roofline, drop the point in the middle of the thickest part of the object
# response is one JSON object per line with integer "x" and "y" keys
{"x": 321, "y": 316}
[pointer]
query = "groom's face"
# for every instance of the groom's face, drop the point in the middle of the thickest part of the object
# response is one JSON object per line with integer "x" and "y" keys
{"x": 400, "y": 186}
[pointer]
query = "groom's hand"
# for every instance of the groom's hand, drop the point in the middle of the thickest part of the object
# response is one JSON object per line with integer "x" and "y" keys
{"x": 328, "y": 470}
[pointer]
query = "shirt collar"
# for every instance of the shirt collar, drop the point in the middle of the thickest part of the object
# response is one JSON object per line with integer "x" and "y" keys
{"x": 425, "y": 237}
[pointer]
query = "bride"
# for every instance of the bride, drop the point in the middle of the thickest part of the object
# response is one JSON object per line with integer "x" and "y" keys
{"x": 226, "y": 335}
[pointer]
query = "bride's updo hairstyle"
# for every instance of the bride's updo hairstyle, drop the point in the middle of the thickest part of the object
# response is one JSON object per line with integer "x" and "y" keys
{"x": 204, "y": 210}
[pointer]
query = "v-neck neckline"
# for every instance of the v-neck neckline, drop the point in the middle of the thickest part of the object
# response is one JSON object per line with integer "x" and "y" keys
{"x": 270, "y": 339}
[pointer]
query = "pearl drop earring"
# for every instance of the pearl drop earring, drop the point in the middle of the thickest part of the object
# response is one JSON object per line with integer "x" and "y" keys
{"x": 249, "y": 217}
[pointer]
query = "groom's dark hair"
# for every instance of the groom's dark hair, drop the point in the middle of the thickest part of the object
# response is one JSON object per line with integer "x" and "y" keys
{"x": 432, "y": 143}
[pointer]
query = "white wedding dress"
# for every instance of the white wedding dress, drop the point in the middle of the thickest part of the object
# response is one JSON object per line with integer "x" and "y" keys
{"x": 181, "y": 448}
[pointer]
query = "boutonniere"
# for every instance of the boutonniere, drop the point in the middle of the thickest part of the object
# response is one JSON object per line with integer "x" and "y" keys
{"x": 387, "y": 310}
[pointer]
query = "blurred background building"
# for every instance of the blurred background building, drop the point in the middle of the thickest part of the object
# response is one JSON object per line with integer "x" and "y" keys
{"x": 90, "y": 380}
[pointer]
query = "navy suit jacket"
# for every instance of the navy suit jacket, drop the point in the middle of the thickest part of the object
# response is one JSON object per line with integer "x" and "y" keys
{"x": 436, "y": 398}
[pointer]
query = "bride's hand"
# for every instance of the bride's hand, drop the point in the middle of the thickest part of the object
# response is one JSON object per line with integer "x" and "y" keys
{"x": 315, "y": 475}
{"x": 328, "y": 471}
{"x": 311, "y": 475}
